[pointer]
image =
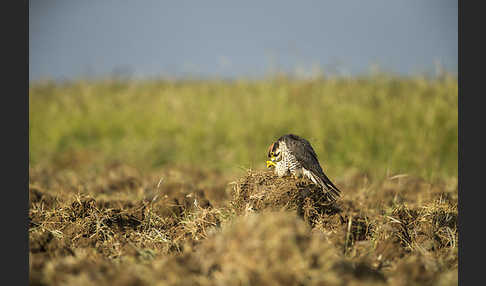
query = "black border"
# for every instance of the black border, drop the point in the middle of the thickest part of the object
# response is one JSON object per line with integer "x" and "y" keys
{"x": 15, "y": 138}
{"x": 471, "y": 178}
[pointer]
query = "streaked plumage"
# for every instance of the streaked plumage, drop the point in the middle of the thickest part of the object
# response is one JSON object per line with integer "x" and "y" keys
{"x": 293, "y": 155}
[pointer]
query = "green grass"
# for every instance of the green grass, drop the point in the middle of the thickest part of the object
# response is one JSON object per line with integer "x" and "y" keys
{"x": 378, "y": 124}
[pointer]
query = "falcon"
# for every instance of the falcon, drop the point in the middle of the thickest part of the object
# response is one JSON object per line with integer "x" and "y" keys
{"x": 293, "y": 155}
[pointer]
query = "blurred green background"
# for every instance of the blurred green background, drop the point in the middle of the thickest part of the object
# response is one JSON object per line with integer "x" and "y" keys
{"x": 378, "y": 124}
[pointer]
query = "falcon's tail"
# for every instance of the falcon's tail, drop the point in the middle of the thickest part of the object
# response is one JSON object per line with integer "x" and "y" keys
{"x": 327, "y": 186}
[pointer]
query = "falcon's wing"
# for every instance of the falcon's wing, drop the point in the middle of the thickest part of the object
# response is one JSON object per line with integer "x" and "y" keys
{"x": 305, "y": 154}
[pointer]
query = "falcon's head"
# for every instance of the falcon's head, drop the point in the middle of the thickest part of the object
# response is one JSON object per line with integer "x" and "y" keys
{"x": 273, "y": 154}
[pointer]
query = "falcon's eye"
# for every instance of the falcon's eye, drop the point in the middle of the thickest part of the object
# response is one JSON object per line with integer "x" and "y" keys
{"x": 271, "y": 153}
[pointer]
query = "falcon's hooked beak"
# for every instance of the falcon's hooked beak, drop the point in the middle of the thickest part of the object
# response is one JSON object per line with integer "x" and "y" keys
{"x": 274, "y": 157}
{"x": 270, "y": 164}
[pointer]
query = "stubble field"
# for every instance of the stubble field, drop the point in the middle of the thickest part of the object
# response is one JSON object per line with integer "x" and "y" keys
{"x": 164, "y": 182}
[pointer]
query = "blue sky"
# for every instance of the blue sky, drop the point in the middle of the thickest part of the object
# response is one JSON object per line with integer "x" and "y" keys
{"x": 70, "y": 38}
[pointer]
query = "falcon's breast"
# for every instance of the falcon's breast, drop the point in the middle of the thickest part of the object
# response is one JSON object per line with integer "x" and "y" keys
{"x": 288, "y": 164}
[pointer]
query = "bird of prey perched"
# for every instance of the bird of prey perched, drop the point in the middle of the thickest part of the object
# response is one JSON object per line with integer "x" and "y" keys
{"x": 293, "y": 155}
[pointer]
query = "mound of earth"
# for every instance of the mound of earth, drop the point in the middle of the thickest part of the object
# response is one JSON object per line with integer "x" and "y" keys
{"x": 260, "y": 190}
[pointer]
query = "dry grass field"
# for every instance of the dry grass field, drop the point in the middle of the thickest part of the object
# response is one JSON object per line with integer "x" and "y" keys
{"x": 164, "y": 183}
